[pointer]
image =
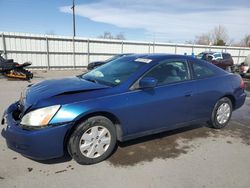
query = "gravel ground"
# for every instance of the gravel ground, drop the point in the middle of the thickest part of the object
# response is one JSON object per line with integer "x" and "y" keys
{"x": 197, "y": 156}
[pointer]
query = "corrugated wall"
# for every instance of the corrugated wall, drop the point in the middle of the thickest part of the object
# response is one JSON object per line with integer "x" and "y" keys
{"x": 61, "y": 52}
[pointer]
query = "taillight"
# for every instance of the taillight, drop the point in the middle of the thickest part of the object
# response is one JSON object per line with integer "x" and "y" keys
{"x": 242, "y": 84}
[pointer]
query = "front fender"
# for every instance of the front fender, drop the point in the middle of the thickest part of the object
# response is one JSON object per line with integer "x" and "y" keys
{"x": 78, "y": 112}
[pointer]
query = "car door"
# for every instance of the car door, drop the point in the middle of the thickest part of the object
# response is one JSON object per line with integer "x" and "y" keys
{"x": 166, "y": 105}
{"x": 206, "y": 95}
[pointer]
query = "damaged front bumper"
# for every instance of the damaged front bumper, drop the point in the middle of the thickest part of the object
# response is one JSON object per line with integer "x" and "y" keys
{"x": 43, "y": 144}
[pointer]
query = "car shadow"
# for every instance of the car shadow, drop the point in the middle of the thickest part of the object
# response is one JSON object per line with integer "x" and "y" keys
{"x": 143, "y": 148}
{"x": 63, "y": 159}
{"x": 169, "y": 144}
{"x": 160, "y": 135}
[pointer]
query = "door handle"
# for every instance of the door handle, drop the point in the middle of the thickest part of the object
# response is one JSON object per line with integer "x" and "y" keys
{"x": 188, "y": 94}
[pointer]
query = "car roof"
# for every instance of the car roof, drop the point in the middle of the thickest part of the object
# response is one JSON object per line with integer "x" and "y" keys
{"x": 160, "y": 56}
{"x": 211, "y": 52}
{"x": 126, "y": 54}
{"x": 207, "y": 52}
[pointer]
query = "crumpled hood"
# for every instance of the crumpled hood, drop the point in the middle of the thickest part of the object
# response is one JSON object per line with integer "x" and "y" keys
{"x": 50, "y": 88}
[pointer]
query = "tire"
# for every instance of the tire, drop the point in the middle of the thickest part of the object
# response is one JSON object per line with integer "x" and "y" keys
{"x": 221, "y": 114}
{"x": 97, "y": 139}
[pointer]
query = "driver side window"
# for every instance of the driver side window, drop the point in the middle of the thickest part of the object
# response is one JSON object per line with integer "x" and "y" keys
{"x": 169, "y": 72}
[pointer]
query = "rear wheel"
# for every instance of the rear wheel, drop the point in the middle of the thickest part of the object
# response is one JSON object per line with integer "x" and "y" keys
{"x": 93, "y": 140}
{"x": 222, "y": 113}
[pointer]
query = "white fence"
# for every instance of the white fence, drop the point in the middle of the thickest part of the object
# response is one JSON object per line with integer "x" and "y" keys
{"x": 65, "y": 52}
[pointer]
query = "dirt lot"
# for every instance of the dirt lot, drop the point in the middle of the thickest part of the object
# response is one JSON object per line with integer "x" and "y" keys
{"x": 197, "y": 156}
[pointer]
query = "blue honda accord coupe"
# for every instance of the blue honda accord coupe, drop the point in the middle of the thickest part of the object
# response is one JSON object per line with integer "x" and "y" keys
{"x": 130, "y": 97}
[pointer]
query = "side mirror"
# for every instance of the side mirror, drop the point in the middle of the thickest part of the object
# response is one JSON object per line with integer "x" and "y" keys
{"x": 148, "y": 82}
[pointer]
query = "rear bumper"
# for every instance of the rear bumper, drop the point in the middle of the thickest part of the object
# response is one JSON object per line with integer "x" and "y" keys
{"x": 240, "y": 100}
{"x": 43, "y": 144}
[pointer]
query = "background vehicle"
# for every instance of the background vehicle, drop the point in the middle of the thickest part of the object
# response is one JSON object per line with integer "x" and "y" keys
{"x": 130, "y": 97}
{"x": 12, "y": 69}
{"x": 220, "y": 59}
{"x": 96, "y": 64}
{"x": 243, "y": 68}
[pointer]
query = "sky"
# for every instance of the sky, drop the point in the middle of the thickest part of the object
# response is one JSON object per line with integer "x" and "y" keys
{"x": 143, "y": 20}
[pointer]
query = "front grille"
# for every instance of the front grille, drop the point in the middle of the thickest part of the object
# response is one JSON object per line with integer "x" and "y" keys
{"x": 17, "y": 114}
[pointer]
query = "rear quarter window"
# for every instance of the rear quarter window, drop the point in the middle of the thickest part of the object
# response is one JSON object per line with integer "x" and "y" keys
{"x": 217, "y": 56}
{"x": 202, "y": 71}
{"x": 226, "y": 56}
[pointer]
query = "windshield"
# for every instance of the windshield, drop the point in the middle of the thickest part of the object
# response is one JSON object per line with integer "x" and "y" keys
{"x": 114, "y": 72}
{"x": 113, "y": 58}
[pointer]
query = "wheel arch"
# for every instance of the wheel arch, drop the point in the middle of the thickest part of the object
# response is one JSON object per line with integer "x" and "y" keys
{"x": 232, "y": 99}
{"x": 81, "y": 118}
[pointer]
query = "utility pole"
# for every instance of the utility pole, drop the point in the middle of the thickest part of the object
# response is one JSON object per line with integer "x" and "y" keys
{"x": 74, "y": 21}
{"x": 74, "y": 34}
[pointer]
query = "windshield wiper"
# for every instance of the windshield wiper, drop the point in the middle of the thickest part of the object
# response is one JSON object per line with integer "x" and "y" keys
{"x": 91, "y": 80}
{"x": 99, "y": 81}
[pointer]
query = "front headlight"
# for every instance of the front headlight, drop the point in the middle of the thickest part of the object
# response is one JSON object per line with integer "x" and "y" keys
{"x": 40, "y": 117}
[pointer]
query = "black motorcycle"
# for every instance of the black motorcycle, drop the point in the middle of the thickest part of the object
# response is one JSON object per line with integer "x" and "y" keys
{"x": 12, "y": 69}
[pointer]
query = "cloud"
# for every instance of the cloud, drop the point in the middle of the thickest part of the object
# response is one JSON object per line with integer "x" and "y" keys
{"x": 176, "y": 20}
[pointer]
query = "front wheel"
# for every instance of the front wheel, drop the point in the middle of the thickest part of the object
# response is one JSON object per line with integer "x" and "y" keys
{"x": 93, "y": 140}
{"x": 222, "y": 113}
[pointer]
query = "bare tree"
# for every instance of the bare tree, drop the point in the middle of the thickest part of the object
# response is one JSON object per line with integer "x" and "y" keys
{"x": 106, "y": 35}
{"x": 246, "y": 41}
{"x": 120, "y": 36}
{"x": 109, "y": 35}
{"x": 51, "y": 32}
{"x": 203, "y": 39}
{"x": 219, "y": 36}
